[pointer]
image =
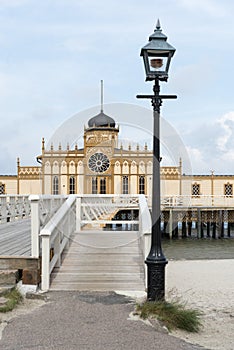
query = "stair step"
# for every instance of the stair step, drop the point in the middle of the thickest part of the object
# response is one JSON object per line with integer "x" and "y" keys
{"x": 90, "y": 286}
{"x": 86, "y": 265}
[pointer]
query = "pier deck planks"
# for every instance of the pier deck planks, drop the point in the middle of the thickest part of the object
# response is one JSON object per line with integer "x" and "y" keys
{"x": 15, "y": 238}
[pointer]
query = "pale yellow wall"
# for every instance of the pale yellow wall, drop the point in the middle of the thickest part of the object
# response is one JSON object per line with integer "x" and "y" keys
{"x": 133, "y": 189}
{"x": 80, "y": 184}
{"x": 47, "y": 184}
{"x": 30, "y": 186}
{"x": 149, "y": 185}
{"x": 117, "y": 184}
{"x": 170, "y": 187}
{"x": 10, "y": 184}
{"x": 63, "y": 184}
{"x": 186, "y": 186}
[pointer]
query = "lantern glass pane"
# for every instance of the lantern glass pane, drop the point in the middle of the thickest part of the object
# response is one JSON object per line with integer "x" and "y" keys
{"x": 157, "y": 64}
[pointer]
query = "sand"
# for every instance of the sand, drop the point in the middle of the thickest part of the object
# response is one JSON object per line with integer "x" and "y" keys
{"x": 207, "y": 285}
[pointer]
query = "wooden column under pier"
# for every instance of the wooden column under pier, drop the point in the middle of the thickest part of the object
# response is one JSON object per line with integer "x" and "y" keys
{"x": 210, "y": 222}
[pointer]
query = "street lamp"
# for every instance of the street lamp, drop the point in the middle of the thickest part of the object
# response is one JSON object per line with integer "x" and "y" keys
{"x": 157, "y": 56}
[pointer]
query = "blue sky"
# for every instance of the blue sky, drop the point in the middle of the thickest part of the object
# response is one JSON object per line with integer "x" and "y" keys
{"x": 54, "y": 54}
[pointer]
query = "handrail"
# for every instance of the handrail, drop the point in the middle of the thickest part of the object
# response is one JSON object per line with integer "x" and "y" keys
{"x": 55, "y": 235}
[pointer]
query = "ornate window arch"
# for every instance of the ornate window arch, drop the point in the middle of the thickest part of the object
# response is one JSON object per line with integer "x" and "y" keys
{"x": 55, "y": 167}
{"x": 125, "y": 169}
{"x": 142, "y": 167}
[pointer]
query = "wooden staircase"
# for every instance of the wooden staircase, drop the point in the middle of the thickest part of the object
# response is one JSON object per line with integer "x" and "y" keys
{"x": 101, "y": 260}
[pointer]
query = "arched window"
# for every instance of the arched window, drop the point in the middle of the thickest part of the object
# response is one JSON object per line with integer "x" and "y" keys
{"x": 125, "y": 185}
{"x": 94, "y": 185}
{"x": 142, "y": 184}
{"x": 72, "y": 185}
{"x": 55, "y": 185}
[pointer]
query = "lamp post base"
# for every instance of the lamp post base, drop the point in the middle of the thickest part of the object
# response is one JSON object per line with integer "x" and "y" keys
{"x": 156, "y": 280}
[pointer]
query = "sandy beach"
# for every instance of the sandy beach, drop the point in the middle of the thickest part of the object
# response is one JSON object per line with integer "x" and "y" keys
{"x": 209, "y": 286}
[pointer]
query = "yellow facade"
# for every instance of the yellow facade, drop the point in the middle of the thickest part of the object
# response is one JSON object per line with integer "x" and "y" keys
{"x": 103, "y": 167}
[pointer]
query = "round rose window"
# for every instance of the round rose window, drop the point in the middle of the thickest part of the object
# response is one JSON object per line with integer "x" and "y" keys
{"x": 99, "y": 162}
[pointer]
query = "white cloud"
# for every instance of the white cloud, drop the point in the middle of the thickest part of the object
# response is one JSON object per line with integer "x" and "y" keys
{"x": 211, "y": 146}
{"x": 226, "y": 123}
{"x": 196, "y": 158}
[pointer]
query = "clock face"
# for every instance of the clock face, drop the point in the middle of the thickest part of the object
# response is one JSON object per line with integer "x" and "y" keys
{"x": 99, "y": 162}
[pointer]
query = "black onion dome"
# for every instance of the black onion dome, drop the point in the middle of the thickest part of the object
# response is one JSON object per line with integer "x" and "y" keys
{"x": 101, "y": 120}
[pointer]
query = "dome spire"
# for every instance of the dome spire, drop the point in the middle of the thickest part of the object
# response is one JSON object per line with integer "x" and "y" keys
{"x": 101, "y": 96}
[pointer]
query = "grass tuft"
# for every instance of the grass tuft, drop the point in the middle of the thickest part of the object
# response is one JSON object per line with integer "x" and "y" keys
{"x": 173, "y": 315}
{"x": 13, "y": 298}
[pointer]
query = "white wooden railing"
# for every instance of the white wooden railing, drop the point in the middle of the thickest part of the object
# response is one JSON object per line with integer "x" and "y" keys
{"x": 14, "y": 207}
{"x": 197, "y": 201}
{"x": 49, "y": 240}
{"x": 54, "y": 237}
{"x": 98, "y": 210}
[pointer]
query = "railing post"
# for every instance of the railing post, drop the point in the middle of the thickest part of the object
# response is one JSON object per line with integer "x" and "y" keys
{"x": 78, "y": 214}
{"x": 35, "y": 225}
{"x": 45, "y": 260}
{"x": 145, "y": 224}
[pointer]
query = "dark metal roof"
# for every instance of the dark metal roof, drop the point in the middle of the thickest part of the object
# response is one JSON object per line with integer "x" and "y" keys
{"x": 101, "y": 120}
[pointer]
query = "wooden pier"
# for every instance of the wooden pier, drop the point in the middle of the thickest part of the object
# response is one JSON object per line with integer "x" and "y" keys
{"x": 199, "y": 222}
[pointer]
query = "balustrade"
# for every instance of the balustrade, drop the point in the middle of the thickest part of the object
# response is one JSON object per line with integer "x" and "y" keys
{"x": 14, "y": 207}
{"x": 197, "y": 201}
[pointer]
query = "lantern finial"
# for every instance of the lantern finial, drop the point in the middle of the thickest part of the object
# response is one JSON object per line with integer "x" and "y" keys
{"x": 158, "y": 25}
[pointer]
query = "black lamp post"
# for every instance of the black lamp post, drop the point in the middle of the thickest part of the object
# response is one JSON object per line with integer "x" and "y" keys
{"x": 157, "y": 55}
